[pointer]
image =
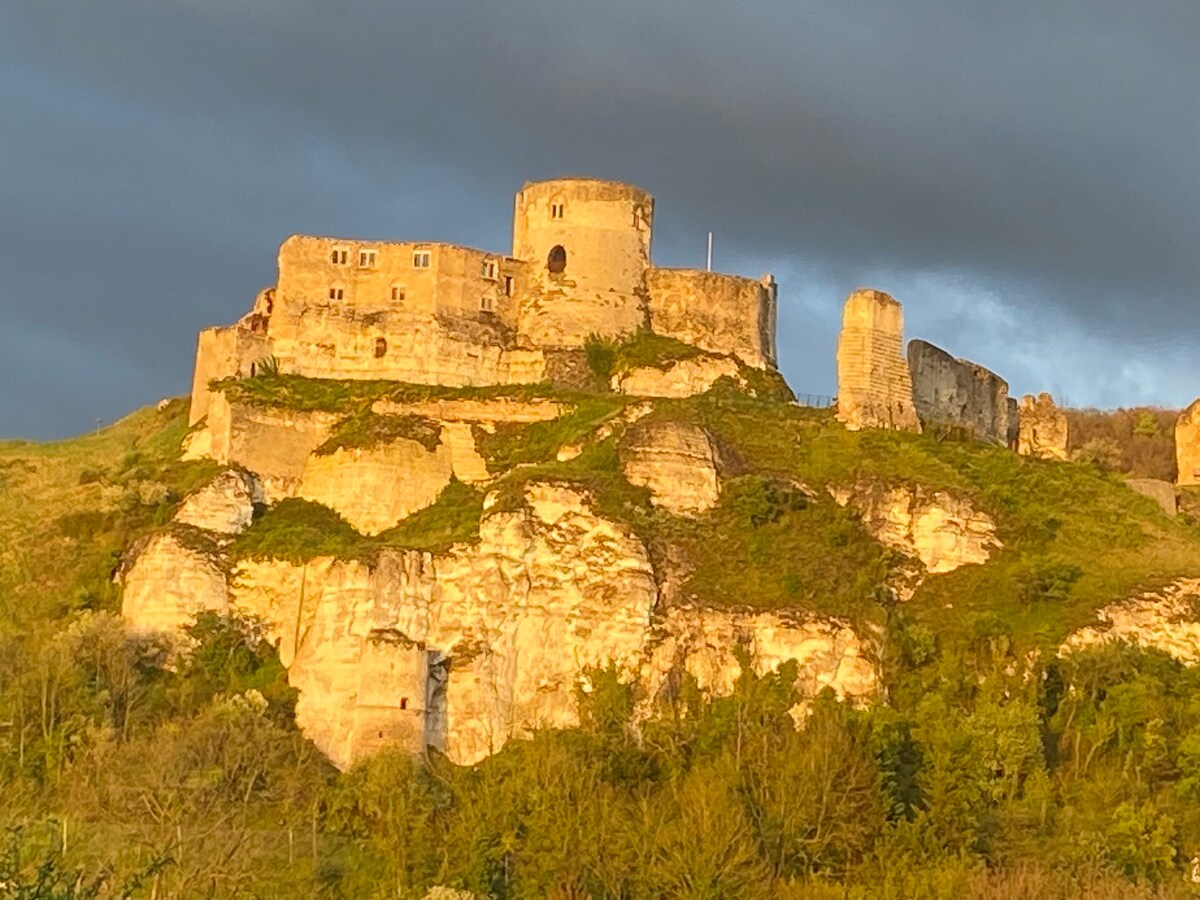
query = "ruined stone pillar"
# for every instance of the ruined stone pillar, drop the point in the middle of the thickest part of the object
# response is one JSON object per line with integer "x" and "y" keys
{"x": 874, "y": 386}
{"x": 1043, "y": 429}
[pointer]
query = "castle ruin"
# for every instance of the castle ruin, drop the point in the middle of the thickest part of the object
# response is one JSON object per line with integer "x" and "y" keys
{"x": 1043, "y": 428}
{"x": 442, "y": 314}
{"x": 874, "y": 384}
{"x": 958, "y": 394}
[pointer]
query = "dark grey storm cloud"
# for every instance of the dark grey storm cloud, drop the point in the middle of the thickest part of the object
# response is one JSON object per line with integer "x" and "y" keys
{"x": 1023, "y": 175}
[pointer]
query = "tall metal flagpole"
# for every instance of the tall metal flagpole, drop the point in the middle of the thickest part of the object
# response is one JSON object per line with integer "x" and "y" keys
{"x": 710, "y": 251}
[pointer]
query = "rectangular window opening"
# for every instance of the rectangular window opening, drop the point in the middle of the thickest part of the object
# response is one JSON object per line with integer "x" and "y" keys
{"x": 508, "y": 285}
{"x": 397, "y": 292}
{"x": 420, "y": 259}
{"x": 366, "y": 259}
{"x": 335, "y": 293}
{"x": 338, "y": 257}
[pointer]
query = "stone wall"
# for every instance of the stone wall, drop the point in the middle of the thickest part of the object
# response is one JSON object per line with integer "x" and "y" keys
{"x": 383, "y": 276}
{"x": 333, "y": 341}
{"x": 1187, "y": 445}
{"x": 222, "y": 352}
{"x": 874, "y": 385}
{"x": 1043, "y": 430}
{"x": 722, "y": 314}
{"x": 957, "y": 393}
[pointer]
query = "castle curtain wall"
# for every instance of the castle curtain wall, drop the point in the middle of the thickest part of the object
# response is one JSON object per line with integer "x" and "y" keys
{"x": 718, "y": 313}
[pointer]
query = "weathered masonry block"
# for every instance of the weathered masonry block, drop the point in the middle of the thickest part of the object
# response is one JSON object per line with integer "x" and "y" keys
{"x": 1043, "y": 428}
{"x": 874, "y": 384}
{"x": 957, "y": 393}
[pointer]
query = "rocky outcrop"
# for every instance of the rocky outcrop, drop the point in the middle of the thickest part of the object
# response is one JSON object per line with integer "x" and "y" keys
{"x": 1187, "y": 445}
{"x": 468, "y": 649}
{"x": 683, "y": 378}
{"x": 941, "y": 531}
{"x": 874, "y": 384}
{"x": 1161, "y": 492}
{"x": 957, "y": 393}
{"x": 274, "y": 444}
{"x": 225, "y": 505}
{"x": 676, "y": 462}
{"x": 170, "y": 578}
{"x": 1166, "y": 620}
{"x": 1043, "y": 428}
{"x": 705, "y": 644}
{"x": 374, "y": 488}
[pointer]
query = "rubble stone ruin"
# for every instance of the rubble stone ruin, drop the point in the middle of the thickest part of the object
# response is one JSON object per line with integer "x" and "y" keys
{"x": 1043, "y": 428}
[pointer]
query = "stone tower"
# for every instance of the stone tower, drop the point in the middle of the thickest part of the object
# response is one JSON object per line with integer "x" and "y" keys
{"x": 588, "y": 247}
{"x": 874, "y": 385}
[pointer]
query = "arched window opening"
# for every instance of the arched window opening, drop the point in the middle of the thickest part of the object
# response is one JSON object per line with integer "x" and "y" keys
{"x": 380, "y": 347}
{"x": 556, "y": 261}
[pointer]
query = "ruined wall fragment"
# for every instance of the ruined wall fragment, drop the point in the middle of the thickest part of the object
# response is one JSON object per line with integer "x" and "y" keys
{"x": 874, "y": 385}
{"x": 957, "y": 393}
{"x": 1043, "y": 428}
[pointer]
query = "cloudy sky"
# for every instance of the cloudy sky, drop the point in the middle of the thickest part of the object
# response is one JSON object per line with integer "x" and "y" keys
{"x": 1023, "y": 175}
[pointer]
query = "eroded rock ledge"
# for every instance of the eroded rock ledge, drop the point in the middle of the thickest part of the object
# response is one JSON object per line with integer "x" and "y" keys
{"x": 1166, "y": 620}
{"x": 942, "y": 531}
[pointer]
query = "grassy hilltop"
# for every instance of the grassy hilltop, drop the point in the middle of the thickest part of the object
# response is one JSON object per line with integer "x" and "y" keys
{"x": 991, "y": 767}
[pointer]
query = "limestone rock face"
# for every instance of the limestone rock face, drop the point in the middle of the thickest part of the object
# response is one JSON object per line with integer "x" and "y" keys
{"x": 704, "y": 642}
{"x": 958, "y": 393}
{"x": 486, "y": 642}
{"x": 1161, "y": 492}
{"x": 676, "y": 462}
{"x": 1167, "y": 620}
{"x": 874, "y": 384}
{"x": 943, "y": 532}
{"x": 170, "y": 580}
{"x": 1043, "y": 428}
{"x": 375, "y": 488}
{"x": 225, "y": 505}
{"x": 273, "y": 444}
{"x": 683, "y": 378}
{"x": 1187, "y": 445}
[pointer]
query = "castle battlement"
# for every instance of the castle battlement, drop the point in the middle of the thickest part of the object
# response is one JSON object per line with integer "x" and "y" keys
{"x": 440, "y": 313}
